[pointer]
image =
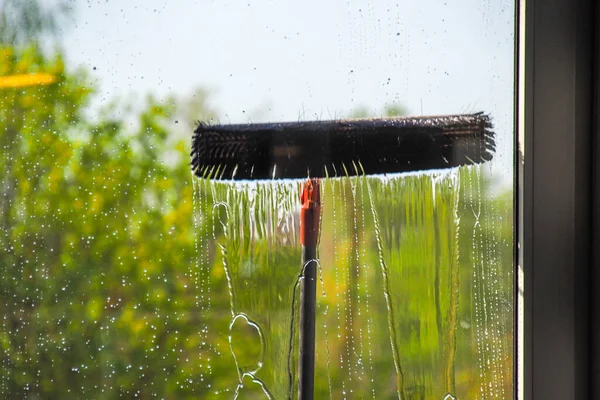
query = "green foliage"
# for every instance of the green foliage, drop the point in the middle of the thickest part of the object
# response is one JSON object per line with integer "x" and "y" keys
{"x": 392, "y": 110}
{"x": 95, "y": 237}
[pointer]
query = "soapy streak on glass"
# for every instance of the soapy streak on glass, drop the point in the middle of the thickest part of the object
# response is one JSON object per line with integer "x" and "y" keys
{"x": 416, "y": 269}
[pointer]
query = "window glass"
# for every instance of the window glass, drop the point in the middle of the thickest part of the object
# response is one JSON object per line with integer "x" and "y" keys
{"x": 123, "y": 275}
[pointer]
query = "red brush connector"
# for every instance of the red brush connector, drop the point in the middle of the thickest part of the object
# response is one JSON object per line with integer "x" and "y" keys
{"x": 310, "y": 197}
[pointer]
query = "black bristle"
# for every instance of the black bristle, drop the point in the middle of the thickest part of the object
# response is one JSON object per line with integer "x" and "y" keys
{"x": 370, "y": 146}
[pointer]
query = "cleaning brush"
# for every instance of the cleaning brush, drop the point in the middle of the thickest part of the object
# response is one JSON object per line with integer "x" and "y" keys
{"x": 319, "y": 149}
{"x": 336, "y": 148}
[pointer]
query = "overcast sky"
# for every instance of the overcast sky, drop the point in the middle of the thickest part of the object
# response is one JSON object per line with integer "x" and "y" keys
{"x": 283, "y": 60}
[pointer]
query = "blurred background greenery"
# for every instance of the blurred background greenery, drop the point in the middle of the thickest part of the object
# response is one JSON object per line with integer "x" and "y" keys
{"x": 113, "y": 260}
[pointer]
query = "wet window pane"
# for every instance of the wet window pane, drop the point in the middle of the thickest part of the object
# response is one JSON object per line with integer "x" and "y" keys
{"x": 125, "y": 275}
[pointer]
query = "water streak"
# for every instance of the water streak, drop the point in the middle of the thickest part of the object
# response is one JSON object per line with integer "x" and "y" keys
{"x": 232, "y": 300}
{"x": 387, "y": 295}
{"x": 454, "y": 295}
{"x": 443, "y": 283}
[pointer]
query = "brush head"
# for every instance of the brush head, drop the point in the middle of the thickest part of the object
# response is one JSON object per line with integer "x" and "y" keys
{"x": 343, "y": 147}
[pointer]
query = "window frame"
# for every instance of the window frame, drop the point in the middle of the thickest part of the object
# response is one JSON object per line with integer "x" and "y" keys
{"x": 556, "y": 194}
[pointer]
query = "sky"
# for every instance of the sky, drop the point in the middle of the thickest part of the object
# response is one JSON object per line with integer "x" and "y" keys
{"x": 281, "y": 60}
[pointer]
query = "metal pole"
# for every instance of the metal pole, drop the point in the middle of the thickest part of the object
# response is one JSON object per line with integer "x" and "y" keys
{"x": 309, "y": 235}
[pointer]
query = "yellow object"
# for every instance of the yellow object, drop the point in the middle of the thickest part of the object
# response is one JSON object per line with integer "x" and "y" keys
{"x": 26, "y": 80}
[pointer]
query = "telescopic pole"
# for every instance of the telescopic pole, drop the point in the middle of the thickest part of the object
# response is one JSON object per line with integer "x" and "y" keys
{"x": 309, "y": 236}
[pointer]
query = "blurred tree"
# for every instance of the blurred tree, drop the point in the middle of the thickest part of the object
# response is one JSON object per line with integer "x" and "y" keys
{"x": 392, "y": 110}
{"x": 395, "y": 110}
{"x": 23, "y": 22}
{"x": 95, "y": 231}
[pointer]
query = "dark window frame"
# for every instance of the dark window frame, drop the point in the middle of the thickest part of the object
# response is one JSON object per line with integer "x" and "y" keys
{"x": 558, "y": 199}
